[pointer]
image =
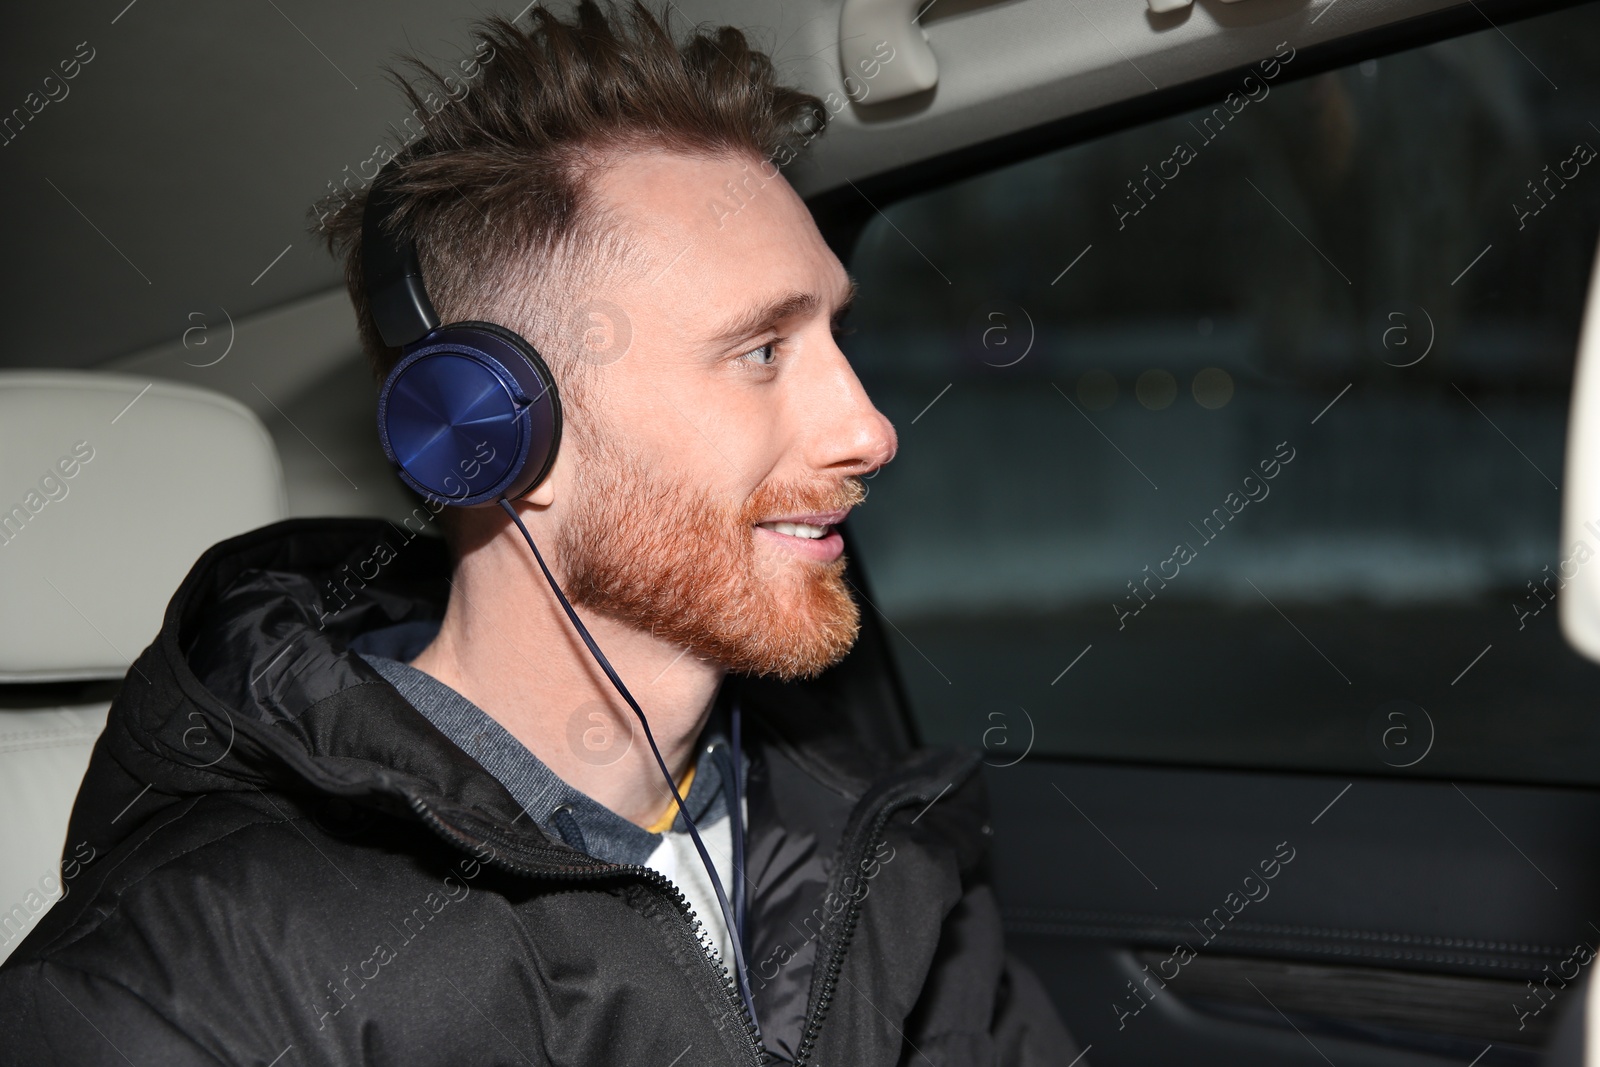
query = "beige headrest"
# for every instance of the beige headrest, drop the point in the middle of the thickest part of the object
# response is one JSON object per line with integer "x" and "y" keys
{"x": 110, "y": 487}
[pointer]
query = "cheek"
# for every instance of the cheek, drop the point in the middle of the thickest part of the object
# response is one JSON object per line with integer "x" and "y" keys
{"x": 719, "y": 435}
{"x": 727, "y": 455}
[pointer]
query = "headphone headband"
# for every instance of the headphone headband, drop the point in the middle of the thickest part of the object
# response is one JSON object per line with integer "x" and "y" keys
{"x": 391, "y": 272}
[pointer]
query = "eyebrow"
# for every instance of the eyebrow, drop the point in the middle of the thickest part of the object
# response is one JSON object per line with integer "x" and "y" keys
{"x": 792, "y": 304}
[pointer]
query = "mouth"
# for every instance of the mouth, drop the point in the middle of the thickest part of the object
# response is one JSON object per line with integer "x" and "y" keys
{"x": 813, "y": 536}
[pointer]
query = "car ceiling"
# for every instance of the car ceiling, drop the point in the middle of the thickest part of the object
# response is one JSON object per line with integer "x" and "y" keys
{"x": 175, "y": 177}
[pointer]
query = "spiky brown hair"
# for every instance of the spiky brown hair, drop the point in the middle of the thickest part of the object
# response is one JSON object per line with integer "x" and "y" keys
{"x": 495, "y": 187}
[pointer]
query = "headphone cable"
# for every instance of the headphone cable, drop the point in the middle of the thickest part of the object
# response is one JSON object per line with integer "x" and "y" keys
{"x": 705, "y": 857}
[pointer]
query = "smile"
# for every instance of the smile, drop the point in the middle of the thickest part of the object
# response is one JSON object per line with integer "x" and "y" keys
{"x": 812, "y": 536}
{"x": 796, "y": 529}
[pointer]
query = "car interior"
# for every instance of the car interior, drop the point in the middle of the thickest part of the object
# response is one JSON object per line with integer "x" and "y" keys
{"x": 1234, "y": 351}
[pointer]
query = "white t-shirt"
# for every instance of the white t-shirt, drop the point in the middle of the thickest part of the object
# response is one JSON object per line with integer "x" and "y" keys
{"x": 677, "y": 860}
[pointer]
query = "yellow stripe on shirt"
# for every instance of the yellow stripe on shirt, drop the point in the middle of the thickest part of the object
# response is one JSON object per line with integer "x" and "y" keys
{"x": 663, "y": 824}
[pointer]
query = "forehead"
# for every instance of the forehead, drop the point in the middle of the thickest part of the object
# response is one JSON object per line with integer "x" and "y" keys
{"x": 715, "y": 235}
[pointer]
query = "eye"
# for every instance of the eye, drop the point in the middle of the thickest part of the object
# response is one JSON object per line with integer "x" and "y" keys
{"x": 763, "y": 356}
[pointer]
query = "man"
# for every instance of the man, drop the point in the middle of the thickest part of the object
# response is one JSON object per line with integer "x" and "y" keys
{"x": 377, "y": 804}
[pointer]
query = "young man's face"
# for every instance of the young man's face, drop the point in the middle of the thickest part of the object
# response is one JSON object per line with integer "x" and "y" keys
{"x": 706, "y": 468}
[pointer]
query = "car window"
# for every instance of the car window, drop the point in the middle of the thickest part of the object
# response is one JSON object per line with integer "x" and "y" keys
{"x": 1236, "y": 439}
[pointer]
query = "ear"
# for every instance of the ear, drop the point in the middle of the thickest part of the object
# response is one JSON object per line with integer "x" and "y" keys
{"x": 543, "y": 495}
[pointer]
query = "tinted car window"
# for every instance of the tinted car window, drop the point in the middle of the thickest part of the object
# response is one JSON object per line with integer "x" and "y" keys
{"x": 1236, "y": 439}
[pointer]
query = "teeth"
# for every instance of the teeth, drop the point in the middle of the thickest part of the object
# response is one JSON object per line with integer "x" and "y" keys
{"x": 796, "y": 529}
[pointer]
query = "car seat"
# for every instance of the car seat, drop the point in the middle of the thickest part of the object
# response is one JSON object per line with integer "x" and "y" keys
{"x": 110, "y": 487}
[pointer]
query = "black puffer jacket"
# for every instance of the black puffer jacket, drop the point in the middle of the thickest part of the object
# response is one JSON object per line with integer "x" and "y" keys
{"x": 293, "y": 866}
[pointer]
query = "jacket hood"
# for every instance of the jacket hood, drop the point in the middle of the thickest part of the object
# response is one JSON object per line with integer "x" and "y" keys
{"x": 251, "y": 686}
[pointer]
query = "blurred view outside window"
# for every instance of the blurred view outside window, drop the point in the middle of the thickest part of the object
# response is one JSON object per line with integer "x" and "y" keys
{"x": 1236, "y": 439}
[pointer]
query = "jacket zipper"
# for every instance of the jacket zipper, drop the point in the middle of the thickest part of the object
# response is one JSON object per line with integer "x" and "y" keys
{"x": 839, "y": 943}
{"x": 663, "y": 885}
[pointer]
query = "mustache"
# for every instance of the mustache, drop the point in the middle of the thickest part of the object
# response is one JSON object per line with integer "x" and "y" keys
{"x": 793, "y": 498}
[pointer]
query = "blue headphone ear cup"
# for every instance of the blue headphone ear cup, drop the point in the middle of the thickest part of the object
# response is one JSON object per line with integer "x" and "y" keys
{"x": 470, "y": 415}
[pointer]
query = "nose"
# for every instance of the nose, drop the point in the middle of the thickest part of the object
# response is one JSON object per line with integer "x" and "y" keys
{"x": 849, "y": 435}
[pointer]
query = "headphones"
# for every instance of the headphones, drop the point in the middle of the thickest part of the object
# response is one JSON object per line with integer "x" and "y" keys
{"x": 470, "y": 414}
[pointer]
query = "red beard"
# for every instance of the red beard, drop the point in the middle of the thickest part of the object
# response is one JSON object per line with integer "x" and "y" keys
{"x": 665, "y": 558}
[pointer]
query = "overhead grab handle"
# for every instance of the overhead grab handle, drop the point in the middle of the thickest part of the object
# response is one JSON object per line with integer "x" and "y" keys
{"x": 883, "y": 50}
